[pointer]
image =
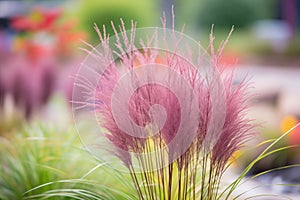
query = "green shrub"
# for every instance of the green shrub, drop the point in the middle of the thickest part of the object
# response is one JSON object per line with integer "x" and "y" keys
{"x": 239, "y": 13}
{"x": 146, "y": 13}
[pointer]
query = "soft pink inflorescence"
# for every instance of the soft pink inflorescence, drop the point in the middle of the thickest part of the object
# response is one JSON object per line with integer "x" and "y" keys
{"x": 207, "y": 147}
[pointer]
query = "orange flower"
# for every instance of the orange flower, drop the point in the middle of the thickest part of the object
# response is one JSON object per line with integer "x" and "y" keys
{"x": 287, "y": 123}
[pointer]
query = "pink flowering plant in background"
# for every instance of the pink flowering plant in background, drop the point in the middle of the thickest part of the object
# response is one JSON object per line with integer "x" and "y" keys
{"x": 162, "y": 111}
{"x": 42, "y": 49}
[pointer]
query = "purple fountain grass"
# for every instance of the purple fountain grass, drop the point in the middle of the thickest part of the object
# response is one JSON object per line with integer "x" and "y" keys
{"x": 171, "y": 159}
{"x": 29, "y": 83}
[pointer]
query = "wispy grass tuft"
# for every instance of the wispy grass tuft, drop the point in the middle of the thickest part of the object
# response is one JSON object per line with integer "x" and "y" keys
{"x": 42, "y": 162}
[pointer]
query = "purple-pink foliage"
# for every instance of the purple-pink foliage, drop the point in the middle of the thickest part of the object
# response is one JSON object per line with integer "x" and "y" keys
{"x": 234, "y": 131}
{"x": 29, "y": 83}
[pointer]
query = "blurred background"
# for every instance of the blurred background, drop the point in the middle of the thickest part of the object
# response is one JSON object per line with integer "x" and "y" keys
{"x": 40, "y": 45}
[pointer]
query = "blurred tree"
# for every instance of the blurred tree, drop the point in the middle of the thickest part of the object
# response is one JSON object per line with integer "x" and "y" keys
{"x": 224, "y": 14}
{"x": 146, "y": 13}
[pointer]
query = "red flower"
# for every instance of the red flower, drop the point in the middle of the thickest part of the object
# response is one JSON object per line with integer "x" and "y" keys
{"x": 295, "y": 136}
{"x": 38, "y": 19}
